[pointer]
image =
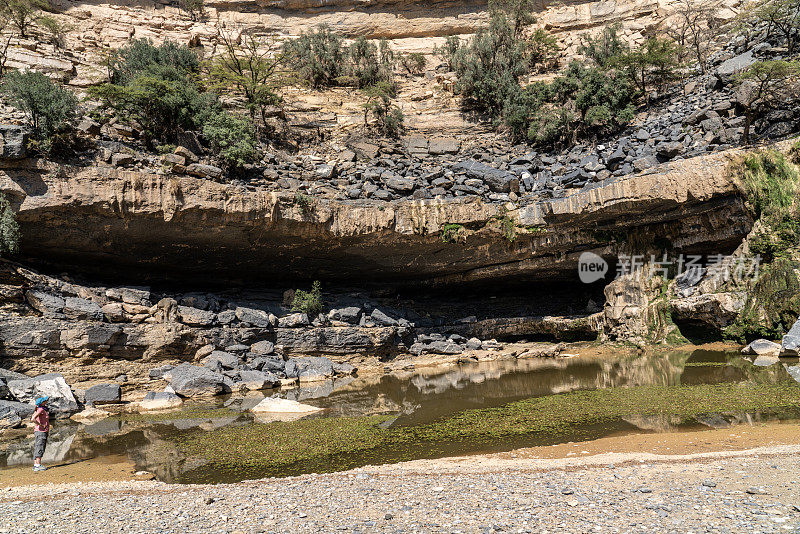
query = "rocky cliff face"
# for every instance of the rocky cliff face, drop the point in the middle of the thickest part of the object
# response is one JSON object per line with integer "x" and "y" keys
{"x": 146, "y": 226}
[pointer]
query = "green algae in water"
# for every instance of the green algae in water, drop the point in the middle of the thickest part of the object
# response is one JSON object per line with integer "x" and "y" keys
{"x": 327, "y": 444}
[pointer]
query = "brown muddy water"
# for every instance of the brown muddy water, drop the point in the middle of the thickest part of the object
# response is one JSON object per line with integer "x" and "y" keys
{"x": 418, "y": 398}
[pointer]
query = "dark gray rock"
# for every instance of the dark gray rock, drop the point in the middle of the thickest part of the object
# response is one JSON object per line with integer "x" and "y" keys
{"x": 399, "y": 183}
{"x": 729, "y": 68}
{"x": 11, "y": 375}
{"x": 350, "y": 314}
{"x": 82, "y": 309}
{"x": 312, "y": 369}
{"x": 669, "y": 149}
{"x": 195, "y": 317}
{"x": 23, "y": 409}
{"x": 262, "y": 347}
{"x": 252, "y": 317}
{"x": 45, "y": 303}
{"x": 382, "y": 319}
{"x": 272, "y": 364}
{"x": 256, "y": 380}
{"x": 130, "y": 295}
{"x": 191, "y": 381}
{"x": 103, "y": 394}
{"x": 498, "y": 180}
{"x": 62, "y": 401}
{"x": 204, "y": 171}
{"x": 221, "y": 360}
{"x": 9, "y": 419}
{"x": 344, "y": 369}
{"x": 645, "y": 163}
{"x": 13, "y": 141}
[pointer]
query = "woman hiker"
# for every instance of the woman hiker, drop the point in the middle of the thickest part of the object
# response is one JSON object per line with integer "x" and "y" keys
{"x": 41, "y": 419}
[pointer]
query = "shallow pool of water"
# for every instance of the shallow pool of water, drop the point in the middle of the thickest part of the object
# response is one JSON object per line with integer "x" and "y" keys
{"x": 416, "y": 399}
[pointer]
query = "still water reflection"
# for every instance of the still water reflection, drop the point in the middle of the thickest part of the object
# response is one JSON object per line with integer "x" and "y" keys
{"x": 414, "y": 397}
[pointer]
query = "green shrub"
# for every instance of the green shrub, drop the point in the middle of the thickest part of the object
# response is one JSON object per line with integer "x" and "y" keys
{"x": 9, "y": 229}
{"x": 489, "y": 67}
{"x": 49, "y": 107}
{"x": 156, "y": 87}
{"x": 605, "y": 49}
{"x": 770, "y": 180}
{"x": 451, "y": 232}
{"x": 140, "y": 56}
{"x": 368, "y": 67}
{"x": 388, "y": 117}
{"x": 55, "y": 29}
{"x": 195, "y": 8}
{"x": 584, "y": 102}
{"x": 162, "y": 100}
{"x": 232, "y": 138}
{"x": 309, "y": 302}
{"x": 773, "y": 303}
{"x": 413, "y": 63}
{"x": 318, "y": 57}
{"x": 23, "y": 13}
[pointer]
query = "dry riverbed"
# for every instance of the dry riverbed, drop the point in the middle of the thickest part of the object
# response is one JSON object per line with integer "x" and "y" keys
{"x": 739, "y": 479}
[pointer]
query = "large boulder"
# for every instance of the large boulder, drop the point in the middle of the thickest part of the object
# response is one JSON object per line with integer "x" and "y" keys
{"x": 9, "y": 419}
{"x": 762, "y": 347}
{"x": 729, "y": 68}
{"x": 498, "y": 180}
{"x": 716, "y": 310}
{"x": 192, "y": 381}
{"x": 294, "y": 320}
{"x": 23, "y": 409}
{"x": 103, "y": 394}
{"x": 161, "y": 400}
{"x": 195, "y": 317}
{"x": 218, "y": 360}
{"x": 278, "y": 405}
{"x": 790, "y": 346}
{"x": 271, "y": 364}
{"x": 350, "y": 314}
{"x": 256, "y": 380}
{"x": 62, "y": 401}
{"x": 262, "y": 347}
{"x": 252, "y": 317}
{"x": 313, "y": 369}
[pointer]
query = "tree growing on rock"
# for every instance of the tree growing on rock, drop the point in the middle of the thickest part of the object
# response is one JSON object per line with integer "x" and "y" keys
{"x": 318, "y": 57}
{"x": 763, "y": 86}
{"x": 195, "y": 8}
{"x": 413, "y": 63}
{"x": 693, "y": 29}
{"x": 49, "y": 107}
{"x": 782, "y": 17}
{"x": 9, "y": 228}
{"x": 250, "y": 67}
{"x": 5, "y": 43}
{"x": 23, "y": 13}
{"x": 388, "y": 117}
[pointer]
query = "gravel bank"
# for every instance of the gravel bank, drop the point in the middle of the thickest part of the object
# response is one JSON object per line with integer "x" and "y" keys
{"x": 752, "y": 491}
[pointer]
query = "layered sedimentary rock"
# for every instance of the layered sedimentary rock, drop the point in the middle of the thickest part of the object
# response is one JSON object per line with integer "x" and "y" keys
{"x": 147, "y": 226}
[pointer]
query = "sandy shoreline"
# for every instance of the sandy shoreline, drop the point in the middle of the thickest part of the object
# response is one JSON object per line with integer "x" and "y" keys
{"x": 740, "y": 479}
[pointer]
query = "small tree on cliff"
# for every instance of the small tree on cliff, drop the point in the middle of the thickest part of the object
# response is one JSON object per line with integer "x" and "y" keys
{"x": 23, "y": 13}
{"x": 250, "y": 67}
{"x": 9, "y": 229}
{"x": 764, "y": 85}
{"x": 49, "y": 107}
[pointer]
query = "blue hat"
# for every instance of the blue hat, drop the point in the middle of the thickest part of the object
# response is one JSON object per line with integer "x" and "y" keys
{"x": 40, "y": 400}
